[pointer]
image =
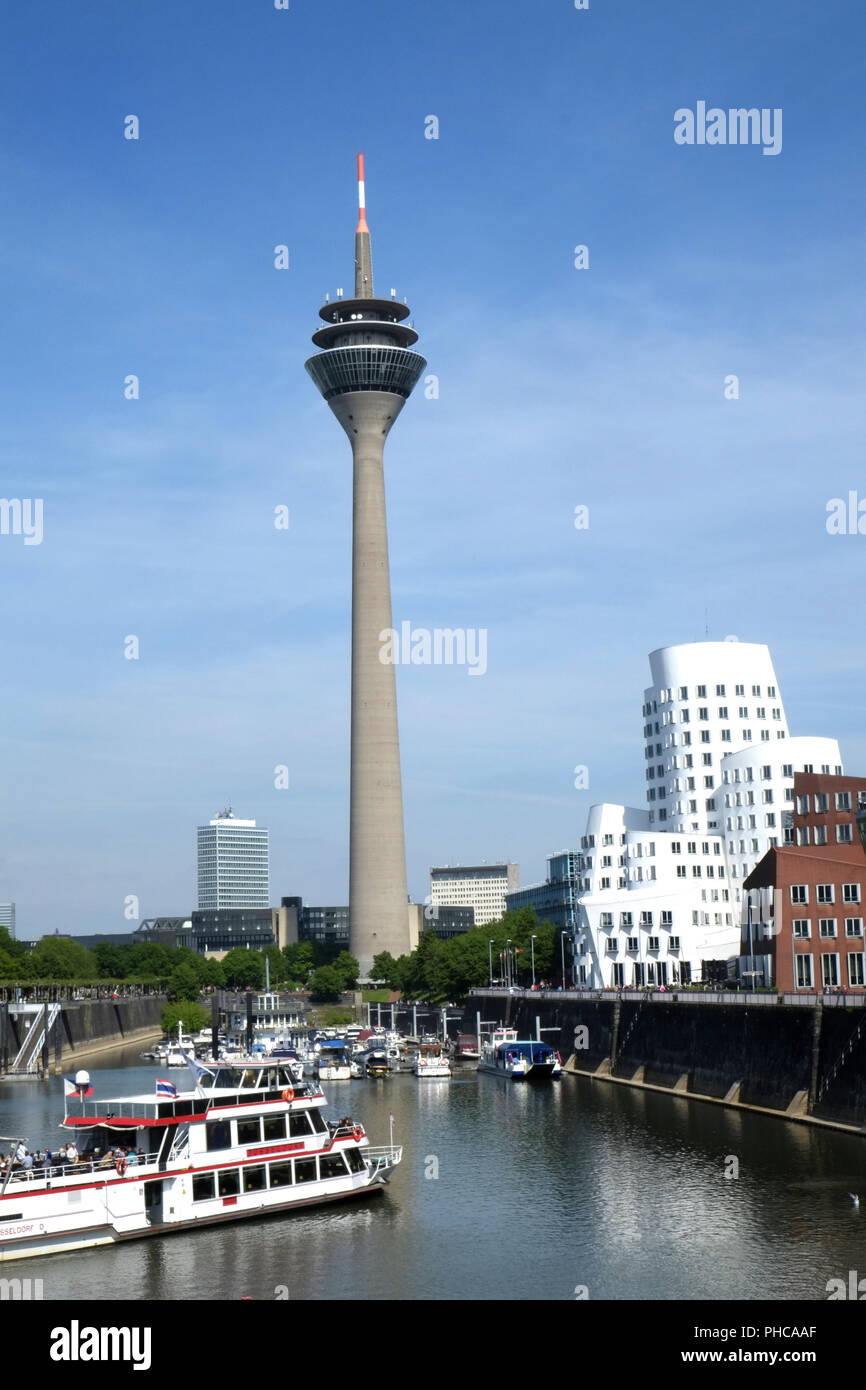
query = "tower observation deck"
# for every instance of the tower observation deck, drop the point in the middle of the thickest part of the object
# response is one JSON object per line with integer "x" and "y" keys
{"x": 366, "y": 371}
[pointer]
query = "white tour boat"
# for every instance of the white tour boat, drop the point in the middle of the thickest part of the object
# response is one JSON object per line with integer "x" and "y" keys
{"x": 522, "y": 1059}
{"x": 247, "y": 1141}
{"x": 432, "y": 1061}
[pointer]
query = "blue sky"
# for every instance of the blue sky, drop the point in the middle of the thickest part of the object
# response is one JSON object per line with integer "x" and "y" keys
{"x": 558, "y": 387}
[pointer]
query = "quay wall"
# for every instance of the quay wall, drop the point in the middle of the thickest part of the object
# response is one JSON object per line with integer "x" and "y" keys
{"x": 804, "y": 1062}
{"x": 84, "y": 1028}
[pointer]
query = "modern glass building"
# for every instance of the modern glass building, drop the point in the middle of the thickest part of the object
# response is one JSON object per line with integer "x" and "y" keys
{"x": 233, "y": 864}
{"x": 555, "y": 900}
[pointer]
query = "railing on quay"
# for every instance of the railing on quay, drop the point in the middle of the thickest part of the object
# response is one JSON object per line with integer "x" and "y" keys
{"x": 673, "y": 995}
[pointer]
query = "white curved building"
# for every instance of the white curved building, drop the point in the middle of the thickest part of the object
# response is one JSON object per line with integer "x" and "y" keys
{"x": 662, "y": 887}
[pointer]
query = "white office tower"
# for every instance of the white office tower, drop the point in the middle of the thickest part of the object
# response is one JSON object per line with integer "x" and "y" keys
{"x": 662, "y": 888}
{"x": 481, "y": 886}
{"x": 232, "y": 863}
{"x": 7, "y": 917}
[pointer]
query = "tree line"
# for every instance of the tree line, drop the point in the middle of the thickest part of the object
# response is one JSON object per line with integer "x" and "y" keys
{"x": 323, "y": 970}
{"x": 442, "y": 970}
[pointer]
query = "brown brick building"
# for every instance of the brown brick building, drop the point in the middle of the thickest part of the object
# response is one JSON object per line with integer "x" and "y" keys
{"x": 808, "y": 898}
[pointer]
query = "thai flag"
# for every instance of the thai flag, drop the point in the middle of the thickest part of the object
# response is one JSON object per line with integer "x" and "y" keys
{"x": 71, "y": 1088}
{"x": 166, "y": 1088}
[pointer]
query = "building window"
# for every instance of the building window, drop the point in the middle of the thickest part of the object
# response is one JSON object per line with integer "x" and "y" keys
{"x": 725, "y": 735}
{"x": 826, "y": 926}
{"x": 625, "y": 919}
{"x": 804, "y": 972}
{"x": 652, "y": 943}
{"x": 702, "y": 692}
{"x": 830, "y": 972}
{"x": 618, "y": 976}
{"x": 632, "y": 943}
{"x": 799, "y": 893}
{"x": 853, "y": 926}
{"x": 851, "y": 892}
{"x": 605, "y": 919}
{"x": 843, "y": 801}
{"x": 802, "y": 928}
{"x": 855, "y": 968}
{"x": 826, "y": 893}
{"x": 802, "y": 834}
{"x": 820, "y": 834}
{"x": 844, "y": 834}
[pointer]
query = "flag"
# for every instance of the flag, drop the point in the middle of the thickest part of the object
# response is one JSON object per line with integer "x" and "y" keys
{"x": 166, "y": 1088}
{"x": 196, "y": 1069}
{"x": 71, "y": 1088}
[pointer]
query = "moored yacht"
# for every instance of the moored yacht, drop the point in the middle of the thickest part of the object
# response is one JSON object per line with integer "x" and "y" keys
{"x": 247, "y": 1141}
{"x": 432, "y": 1061}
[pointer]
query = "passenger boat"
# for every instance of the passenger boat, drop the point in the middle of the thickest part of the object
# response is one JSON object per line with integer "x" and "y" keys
{"x": 522, "y": 1059}
{"x": 247, "y": 1141}
{"x": 432, "y": 1061}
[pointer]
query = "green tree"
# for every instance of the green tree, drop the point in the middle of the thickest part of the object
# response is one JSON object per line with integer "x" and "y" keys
{"x": 190, "y": 1015}
{"x": 348, "y": 969}
{"x": 8, "y": 966}
{"x": 277, "y": 965}
{"x": 112, "y": 962}
{"x": 149, "y": 958}
{"x": 13, "y": 948}
{"x": 183, "y": 983}
{"x": 58, "y": 958}
{"x": 325, "y": 983}
{"x": 384, "y": 969}
{"x": 242, "y": 968}
{"x": 300, "y": 960}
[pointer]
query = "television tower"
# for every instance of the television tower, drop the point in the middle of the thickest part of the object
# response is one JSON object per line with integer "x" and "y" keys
{"x": 366, "y": 373}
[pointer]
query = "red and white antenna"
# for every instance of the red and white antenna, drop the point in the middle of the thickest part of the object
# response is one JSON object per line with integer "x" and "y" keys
{"x": 362, "y": 219}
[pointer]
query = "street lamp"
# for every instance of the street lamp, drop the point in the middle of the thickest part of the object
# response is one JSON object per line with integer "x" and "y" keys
{"x": 490, "y": 961}
{"x": 507, "y": 962}
{"x": 532, "y": 949}
{"x": 562, "y": 952}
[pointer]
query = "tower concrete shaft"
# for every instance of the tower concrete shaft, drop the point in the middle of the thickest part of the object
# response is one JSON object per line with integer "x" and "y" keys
{"x": 366, "y": 373}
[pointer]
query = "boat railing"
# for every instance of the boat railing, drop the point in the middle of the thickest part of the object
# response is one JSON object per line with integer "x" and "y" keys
{"x": 349, "y": 1130}
{"x": 37, "y": 1176}
{"x": 382, "y": 1157}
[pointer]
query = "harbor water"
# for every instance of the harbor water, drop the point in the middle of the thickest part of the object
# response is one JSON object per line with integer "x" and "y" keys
{"x": 557, "y": 1191}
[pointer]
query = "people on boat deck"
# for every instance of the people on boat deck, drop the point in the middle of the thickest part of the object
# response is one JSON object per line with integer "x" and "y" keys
{"x": 71, "y": 1153}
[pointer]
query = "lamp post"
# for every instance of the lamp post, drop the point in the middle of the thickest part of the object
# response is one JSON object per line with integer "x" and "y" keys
{"x": 532, "y": 949}
{"x": 508, "y": 961}
{"x": 490, "y": 961}
{"x": 562, "y": 953}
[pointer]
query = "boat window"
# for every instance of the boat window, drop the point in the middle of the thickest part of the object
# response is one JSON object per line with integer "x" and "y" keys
{"x": 317, "y": 1122}
{"x": 249, "y": 1131}
{"x": 305, "y": 1170}
{"x": 248, "y": 1079}
{"x": 354, "y": 1160}
{"x": 274, "y": 1126}
{"x": 332, "y": 1166}
{"x": 203, "y": 1188}
{"x": 255, "y": 1179}
{"x": 299, "y": 1126}
{"x": 281, "y": 1174}
{"x": 229, "y": 1182}
{"x": 219, "y": 1134}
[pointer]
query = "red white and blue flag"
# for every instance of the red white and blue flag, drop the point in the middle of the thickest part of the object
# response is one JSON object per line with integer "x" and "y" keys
{"x": 72, "y": 1088}
{"x": 166, "y": 1088}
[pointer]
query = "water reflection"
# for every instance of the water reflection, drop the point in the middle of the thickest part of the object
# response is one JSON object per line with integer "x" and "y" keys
{"x": 572, "y": 1183}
